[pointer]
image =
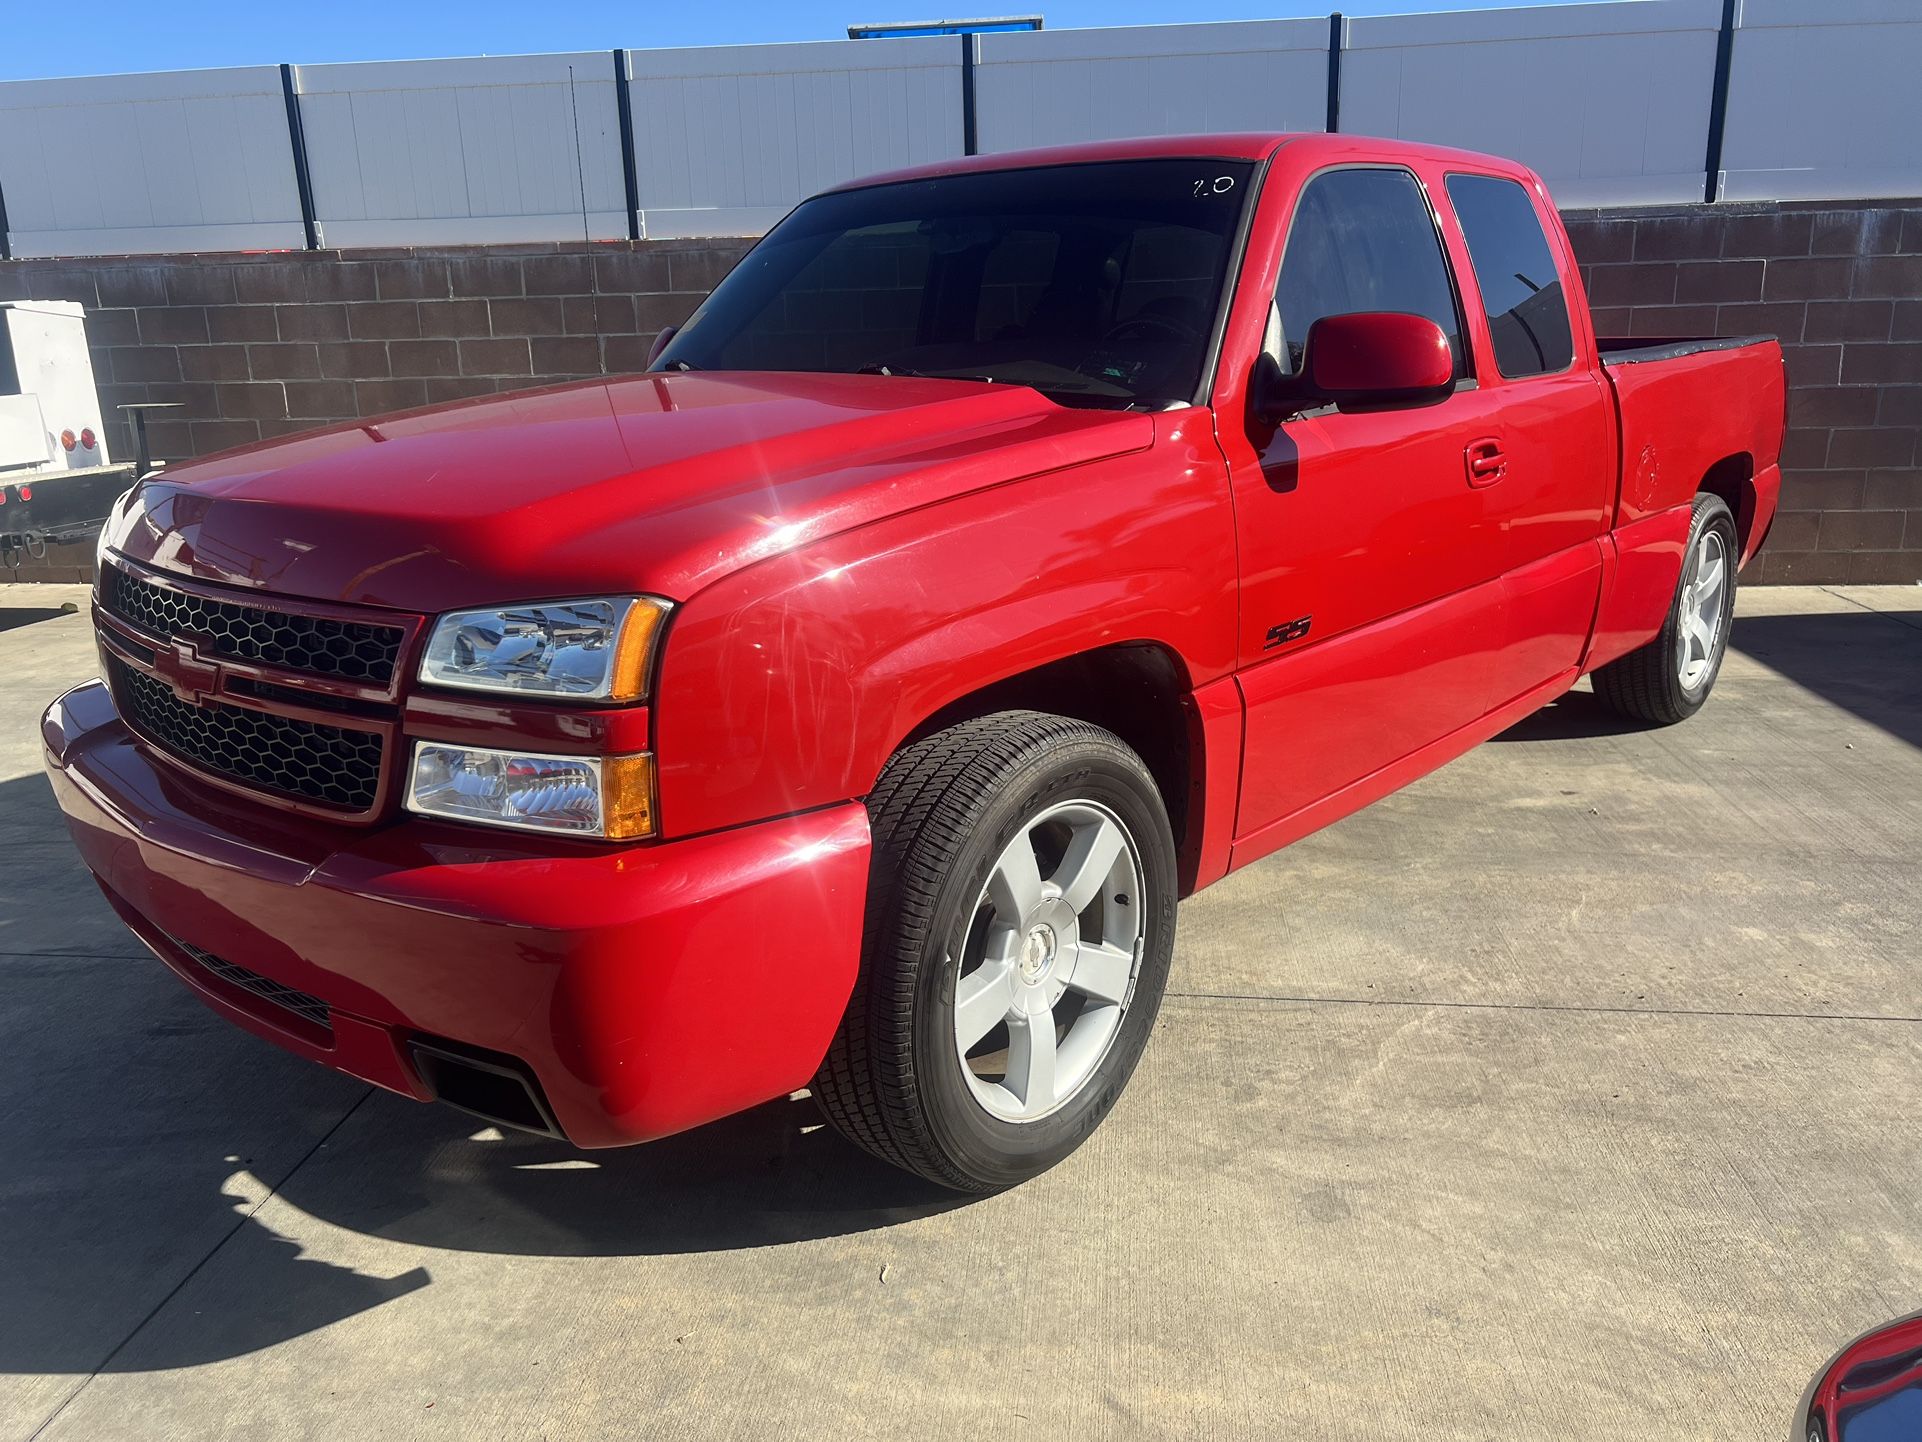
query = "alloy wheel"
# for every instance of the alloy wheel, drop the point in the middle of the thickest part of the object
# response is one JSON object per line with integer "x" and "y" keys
{"x": 1050, "y": 961}
{"x": 1704, "y": 609}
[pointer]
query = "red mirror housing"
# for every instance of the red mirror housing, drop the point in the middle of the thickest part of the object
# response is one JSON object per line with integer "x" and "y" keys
{"x": 1377, "y": 357}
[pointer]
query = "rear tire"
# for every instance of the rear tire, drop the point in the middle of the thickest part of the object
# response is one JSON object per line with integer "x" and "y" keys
{"x": 1022, "y": 887}
{"x": 1668, "y": 679}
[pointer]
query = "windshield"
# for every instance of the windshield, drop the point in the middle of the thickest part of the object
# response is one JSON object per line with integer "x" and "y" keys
{"x": 1095, "y": 284}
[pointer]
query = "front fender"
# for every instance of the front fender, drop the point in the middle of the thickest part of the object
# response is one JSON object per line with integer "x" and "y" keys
{"x": 788, "y": 684}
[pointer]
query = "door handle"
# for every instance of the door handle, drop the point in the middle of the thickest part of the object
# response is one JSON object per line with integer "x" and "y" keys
{"x": 1486, "y": 462}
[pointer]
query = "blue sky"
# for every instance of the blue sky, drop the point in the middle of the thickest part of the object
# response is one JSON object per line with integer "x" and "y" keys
{"x": 103, "y": 37}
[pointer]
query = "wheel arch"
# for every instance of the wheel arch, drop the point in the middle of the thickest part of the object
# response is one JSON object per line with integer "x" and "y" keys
{"x": 1733, "y": 479}
{"x": 1139, "y": 690}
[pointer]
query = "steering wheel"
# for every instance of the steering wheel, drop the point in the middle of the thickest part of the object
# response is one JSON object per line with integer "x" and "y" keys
{"x": 1151, "y": 327}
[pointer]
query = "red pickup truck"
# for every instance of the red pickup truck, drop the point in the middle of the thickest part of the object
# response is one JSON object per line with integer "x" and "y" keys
{"x": 1005, "y": 550}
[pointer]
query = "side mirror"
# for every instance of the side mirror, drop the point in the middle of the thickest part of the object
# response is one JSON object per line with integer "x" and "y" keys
{"x": 1872, "y": 1389}
{"x": 668, "y": 332}
{"x": 1368, "y": 358}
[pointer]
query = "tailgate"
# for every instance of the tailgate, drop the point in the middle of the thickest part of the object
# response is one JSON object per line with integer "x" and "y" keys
{"x": 23, "y": 435}
{"x": 61, "y": 505}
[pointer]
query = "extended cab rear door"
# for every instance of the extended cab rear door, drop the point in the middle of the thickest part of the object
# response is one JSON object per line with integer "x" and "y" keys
{"x": 1548, "y": 454}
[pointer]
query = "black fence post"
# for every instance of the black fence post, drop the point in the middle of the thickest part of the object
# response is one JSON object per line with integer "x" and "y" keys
{"x": 630, "y": 175}
{"x": 1718, "y": 103}
{"x": 970, "y": 54}
{"x": 297, "y": 137}
{"x": 1333, "y": 124}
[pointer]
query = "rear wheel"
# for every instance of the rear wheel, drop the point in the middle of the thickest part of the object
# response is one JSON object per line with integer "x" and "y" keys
{"x": 1020, "y": 923}
{"x": 1668, "y": 679}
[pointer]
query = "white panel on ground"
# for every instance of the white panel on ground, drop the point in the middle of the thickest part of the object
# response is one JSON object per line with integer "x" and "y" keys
{"x": 1059, "y": 87}
{"x": 730, "y": 137}
{"x": 1610, "y": 102}
{"x": 139, "y": 164}
{"x": 1822, "y": 101}
{"x": 423, "y": 152}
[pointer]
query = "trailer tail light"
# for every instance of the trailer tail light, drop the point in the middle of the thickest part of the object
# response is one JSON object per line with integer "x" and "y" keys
{"x": 67, "y": 440}
{"x": 26, "y": 492}
{"x": 87, "y": 439}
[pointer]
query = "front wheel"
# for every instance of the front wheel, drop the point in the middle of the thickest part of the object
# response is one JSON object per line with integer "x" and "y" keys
{"x": 1020, "y": 923}
{"x": 1668, "y": 679}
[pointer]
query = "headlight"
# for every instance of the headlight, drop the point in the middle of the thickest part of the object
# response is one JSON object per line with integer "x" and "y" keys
{"x": 592, "y": 650}
{"x": 608, "y": 796}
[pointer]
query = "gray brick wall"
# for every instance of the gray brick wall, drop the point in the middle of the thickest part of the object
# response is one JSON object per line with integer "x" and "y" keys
{"x": 1841, "y": 287}
{"x": 254, "y": 347}
{"x": 260, "y": 346}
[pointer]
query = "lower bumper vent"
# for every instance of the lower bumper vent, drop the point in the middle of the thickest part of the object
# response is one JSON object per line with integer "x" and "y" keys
{"x": 307, "y": 1007}
{"x": 491, "y": 1085}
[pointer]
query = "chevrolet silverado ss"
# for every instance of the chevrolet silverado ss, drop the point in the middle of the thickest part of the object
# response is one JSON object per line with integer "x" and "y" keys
{"x": 1005, "y": 550}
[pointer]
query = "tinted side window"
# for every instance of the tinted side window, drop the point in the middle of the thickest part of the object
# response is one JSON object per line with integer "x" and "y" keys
{"x": 1362, "y": 240}
{"x": 1521, "y": 289}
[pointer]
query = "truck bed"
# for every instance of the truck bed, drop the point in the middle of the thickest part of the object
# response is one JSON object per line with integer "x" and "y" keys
{"x": 1624, "y": 351}
{"x": 58, "y": 505}
{"x": 1692, "y": 409}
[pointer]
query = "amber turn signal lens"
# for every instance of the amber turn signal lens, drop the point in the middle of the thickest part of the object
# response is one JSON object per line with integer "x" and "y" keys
{"x": 627, "y": 797}
{"x": 634, "y": 651}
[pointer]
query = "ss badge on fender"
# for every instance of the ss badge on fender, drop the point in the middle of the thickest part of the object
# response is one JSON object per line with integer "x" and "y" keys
{"x": 1287, "y": 631}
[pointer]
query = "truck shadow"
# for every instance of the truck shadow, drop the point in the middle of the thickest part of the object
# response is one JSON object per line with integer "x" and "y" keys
{"x": 143, "y": 1135}
{"x": 1869, "y": 663}
{"x": 430, "y": 1176}
{"x": 1573, "y": 716}
{"x": 12, "y": 617}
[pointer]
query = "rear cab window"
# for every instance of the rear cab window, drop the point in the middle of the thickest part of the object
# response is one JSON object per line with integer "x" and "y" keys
{"x": 1362, "y": 239}
{"x": 1515, "y": 271}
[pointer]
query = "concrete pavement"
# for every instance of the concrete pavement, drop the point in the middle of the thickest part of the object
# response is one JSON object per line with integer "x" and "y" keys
{"x": 1571, "y": 1092}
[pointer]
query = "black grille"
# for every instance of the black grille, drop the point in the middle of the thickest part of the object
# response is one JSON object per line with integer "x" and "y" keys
{"x": 300, "y": 1003}
{"x": 331, "y": 765}
{"x": 349, "y": 650}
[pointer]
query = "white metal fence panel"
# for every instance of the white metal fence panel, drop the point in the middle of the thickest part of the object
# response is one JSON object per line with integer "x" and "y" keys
{"x": 1609, "y": 102}
{"x": 421, "y": 152}
{"x": 728, "y": 138}
{"x": 145, "y": 164}
{"x": 1059, "y": 87}
{"x": 1822, "y": 100}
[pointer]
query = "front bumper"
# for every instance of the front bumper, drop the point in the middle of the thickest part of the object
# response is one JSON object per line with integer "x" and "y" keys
{"x": 647, "y": 989}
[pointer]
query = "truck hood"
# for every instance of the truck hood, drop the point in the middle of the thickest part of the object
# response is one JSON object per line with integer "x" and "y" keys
{"x": 657, "y": 483}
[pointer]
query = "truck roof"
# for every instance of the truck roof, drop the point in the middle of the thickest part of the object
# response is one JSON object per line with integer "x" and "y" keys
{"x": 1237, "y": 145}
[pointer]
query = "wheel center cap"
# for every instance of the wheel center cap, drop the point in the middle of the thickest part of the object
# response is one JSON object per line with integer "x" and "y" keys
{"x": 1037, "y": 953}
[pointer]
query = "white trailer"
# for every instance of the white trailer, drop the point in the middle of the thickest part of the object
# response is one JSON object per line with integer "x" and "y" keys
{"x": 57, "y": 481}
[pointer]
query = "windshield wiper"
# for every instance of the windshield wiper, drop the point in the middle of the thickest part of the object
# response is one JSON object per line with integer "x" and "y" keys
{"x": 881, "y": 368}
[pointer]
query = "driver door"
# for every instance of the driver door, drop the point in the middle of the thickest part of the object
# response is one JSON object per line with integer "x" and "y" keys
{"x": 1371, "y": 599}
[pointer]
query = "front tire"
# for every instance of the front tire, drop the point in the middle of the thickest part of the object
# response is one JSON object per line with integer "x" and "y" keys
{"x": 1020, "y": 924}
{"x": 1669, "y": 678}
